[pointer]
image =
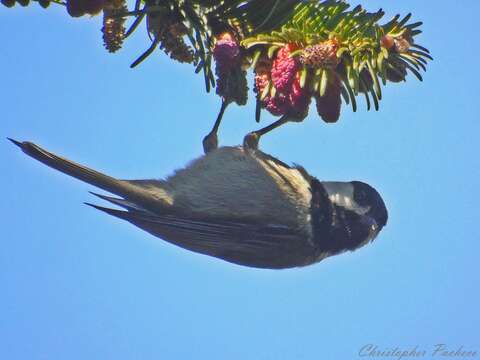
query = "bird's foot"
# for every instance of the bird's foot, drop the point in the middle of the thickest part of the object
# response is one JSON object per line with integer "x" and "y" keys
{"x": 210, "y": 142}
{"x": 250, "y": 141}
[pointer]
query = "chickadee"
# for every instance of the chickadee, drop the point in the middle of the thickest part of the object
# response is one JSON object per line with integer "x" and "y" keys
{"x": 241, "y": 205}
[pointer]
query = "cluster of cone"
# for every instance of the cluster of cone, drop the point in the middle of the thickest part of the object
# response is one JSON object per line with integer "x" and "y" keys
{"x": 170, "y": 30}
{"x": 279, "y": 85}
{"x": 10, "y": 3}
{"x": 231, "y": 77}
{"x": 399, "y": 44}
{"x": 113, "y": 28}
{"x": 77, "y": 8}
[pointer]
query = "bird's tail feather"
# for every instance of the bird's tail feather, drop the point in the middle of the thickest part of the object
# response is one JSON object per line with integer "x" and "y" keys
{"x": 128, "y": 205}
{"x": 126, "y": 189}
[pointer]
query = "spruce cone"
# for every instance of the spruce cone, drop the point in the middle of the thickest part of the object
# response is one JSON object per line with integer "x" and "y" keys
{"x": 178, "y": 29}
{"x": 113, "y": 29}
{"x": 401, "y": 44}
{"x": 93, "y": 7}
{"x": 234, "y": 87}
{"x": 293, "y": 101}
{"x": 76, "y": 8}
{"x": 226, "y": 53}
{"x": 263, "y": 67}
{"x": 170, "y": 30}
{"x": 44, "y": 3}
{"x": 176, "y": 48}
{"x": 275, "y": 105}
{"x": 387, "y": 42}
{"x": 8, "y": 3}
{"x": 396, "y": 72}
{"x": 284, "y": 68}
{"x": 299, "y": 99}
{"x": 329, "y": 105}
{"x": 261, "y": 81}
{"x": 322, "y": 55}
{"x": 231, "y": 79}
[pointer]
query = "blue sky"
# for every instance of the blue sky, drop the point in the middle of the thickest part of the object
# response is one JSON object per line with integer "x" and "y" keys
{"x": 77, "y": 284}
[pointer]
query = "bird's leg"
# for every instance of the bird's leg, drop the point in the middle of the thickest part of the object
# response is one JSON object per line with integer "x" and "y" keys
{"x": 250, "y": 141}
{"x": 210, "y": 142}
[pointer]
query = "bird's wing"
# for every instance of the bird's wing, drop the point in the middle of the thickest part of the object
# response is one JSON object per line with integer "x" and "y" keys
{"x": 265, "y": 246}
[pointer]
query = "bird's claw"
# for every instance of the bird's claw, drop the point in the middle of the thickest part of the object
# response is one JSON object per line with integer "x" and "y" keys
{"x": 250, "y": 141}
{"x": 210, "y": 142}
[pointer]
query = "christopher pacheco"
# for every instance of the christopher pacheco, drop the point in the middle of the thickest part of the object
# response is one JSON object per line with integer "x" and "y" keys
{"x": 443, "y": 351}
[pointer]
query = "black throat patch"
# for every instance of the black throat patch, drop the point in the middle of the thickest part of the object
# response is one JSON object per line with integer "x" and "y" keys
{"x": 322, "y": 211}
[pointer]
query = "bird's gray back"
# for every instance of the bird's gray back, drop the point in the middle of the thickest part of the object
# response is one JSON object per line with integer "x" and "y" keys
{"x": 241, "y": 184}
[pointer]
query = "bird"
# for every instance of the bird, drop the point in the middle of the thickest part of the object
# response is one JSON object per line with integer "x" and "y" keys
{"x": 240, "y": 205}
